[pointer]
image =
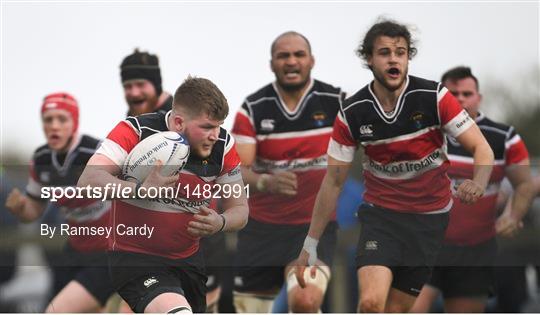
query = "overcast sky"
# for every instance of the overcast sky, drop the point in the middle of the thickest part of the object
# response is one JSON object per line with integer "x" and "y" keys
{"x": 78, "y": 47}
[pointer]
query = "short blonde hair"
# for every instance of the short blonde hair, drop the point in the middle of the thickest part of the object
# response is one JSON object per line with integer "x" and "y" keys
{"x": 198, "y": 96}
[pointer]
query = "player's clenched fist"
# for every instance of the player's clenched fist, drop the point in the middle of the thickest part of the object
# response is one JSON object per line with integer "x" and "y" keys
{"x": 285, "y": 183}
{"x": 15, "y": 202}
{"x": 469, "y": 191}
{"x": 206, "y": 222}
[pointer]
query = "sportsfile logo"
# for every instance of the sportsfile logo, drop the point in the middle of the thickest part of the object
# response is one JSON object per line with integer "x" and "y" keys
{"x": 366, "y": 130}
{"x": 150, "y": 281}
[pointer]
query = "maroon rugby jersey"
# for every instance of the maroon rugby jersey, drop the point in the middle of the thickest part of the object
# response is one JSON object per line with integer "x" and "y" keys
{"x": 52, "y": 169}
{"x": 168, "y": 216}
{"x": 406, "y": 162}
{"x": 294, "y": 141}
{"x": 473, "y": 224}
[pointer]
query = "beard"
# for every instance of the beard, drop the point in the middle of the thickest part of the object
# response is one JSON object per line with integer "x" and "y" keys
{"x": 293, "y": 87}
{"x": 200, "y": 153}
{"x": 197, "y": 150}
{"x": 390, "y": 87}
{"x": 142, "y": 105}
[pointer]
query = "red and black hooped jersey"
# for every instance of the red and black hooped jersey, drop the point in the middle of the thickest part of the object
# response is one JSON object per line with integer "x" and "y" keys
{"x": 294, "y": 141}
{"x": 406, "y": 162}
{"x": 168, "y": 216}
{"x": 473, "y": 224}
{"x": 52, "y": 169}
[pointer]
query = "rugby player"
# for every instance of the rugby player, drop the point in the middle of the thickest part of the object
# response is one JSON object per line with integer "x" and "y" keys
{"x": 166, "y": 273}
{"x": 464, "y": 268}
{"x": 140, "y": 74}
{"x": 282, "y": 133}
{"x": 141, "y": 79}
{"x": 81, "y": 281}
{"x": 400, "y": 122}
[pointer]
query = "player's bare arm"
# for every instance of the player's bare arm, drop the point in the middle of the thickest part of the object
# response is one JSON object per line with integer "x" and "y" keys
{"x": 520, "y": 177}
{"x": 325, "y": 204}
{"x": 474, "y": 142}
{"x": 102, "y": 171}
{"x": 284, "y": 183}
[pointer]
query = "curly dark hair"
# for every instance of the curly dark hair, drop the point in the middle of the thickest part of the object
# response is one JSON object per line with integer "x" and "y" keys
{"x": 385, "y": 28}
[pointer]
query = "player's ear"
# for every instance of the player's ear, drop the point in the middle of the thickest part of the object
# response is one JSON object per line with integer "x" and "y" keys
{"x": 179, "y": 123}
{"x": 272, "y": 65}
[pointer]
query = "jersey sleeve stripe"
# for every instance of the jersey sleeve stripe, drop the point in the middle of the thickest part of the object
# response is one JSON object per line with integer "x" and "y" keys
{"x": 244, "y": 111}
{"x": 448, "y": 107}
{"x": 229, "y": 143}
{"x": 113, "y": 151}
{"x": 441, "y": 94}
{"x": 243, "y": 126}
{"x": 244, "y": 139}
{"x": 340, "y": 151}
{"x": 510, "y": 142}
{"x": 125, "y": 136}
{"x": 459, "y": 124}
{"x": 341, "y": 132}
{"x": 137, "y": 128}
{"x": 517, "y": 152}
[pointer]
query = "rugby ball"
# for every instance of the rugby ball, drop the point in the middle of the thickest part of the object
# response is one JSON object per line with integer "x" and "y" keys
{"x": 170, "y": 147}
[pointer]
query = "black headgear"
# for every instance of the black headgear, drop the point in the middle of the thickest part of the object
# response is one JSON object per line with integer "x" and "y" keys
{"x": 142, "y": 65}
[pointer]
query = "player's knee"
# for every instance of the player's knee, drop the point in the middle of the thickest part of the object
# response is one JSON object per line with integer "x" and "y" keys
{"x": 320, "y": 281}
{"x": 212, "y": 299}
{"x": 306, "y": 300}
{"x": 370, "y": 305}
{"x": 252, "y": 303}
{"x": 397, "y": 308}
{"x": 309, "y": 299}
{"x": 51, "y": 309}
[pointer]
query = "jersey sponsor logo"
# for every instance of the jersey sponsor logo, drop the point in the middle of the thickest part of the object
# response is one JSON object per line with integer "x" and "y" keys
{"x": 407, "y": 169}
{"x": 366, "y": 130}
{"x": 462, "y": 122}
{"x": 170, "y": 204}
{"x": 235, "y": 171}
{"x": 150, "y": 281}
{"x": 267, "y": 124}
{"x": 292, "y": 165}
{"x": 87, "y": 213}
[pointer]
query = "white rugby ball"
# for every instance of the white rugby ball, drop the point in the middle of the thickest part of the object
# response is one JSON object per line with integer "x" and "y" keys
{"x": 169, "y": 146}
